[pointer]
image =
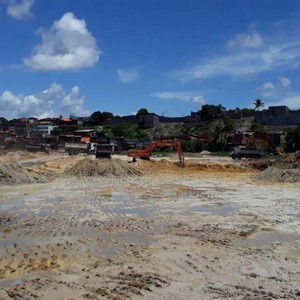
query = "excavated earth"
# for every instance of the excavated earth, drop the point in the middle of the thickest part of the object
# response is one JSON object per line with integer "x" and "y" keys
{"x": 81, "y": 228}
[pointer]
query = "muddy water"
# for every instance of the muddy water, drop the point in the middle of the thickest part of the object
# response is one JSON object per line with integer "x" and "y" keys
{"x": 267, "y": 238}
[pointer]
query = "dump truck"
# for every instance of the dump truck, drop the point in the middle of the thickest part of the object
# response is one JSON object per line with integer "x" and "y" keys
{"x": 76, "y": 148}
{"x": 104, "y": 151}
{"x": 246, "y": 152}
{"x": 38, "y": 147}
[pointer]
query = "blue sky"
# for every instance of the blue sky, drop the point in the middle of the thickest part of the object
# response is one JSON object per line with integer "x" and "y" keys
{"x": 63, "y": 57}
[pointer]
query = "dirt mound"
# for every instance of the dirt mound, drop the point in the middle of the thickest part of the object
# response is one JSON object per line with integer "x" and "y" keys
{"x": 167, "y": 166}
{"x": 259, "y": 164}
{"x": 102, "y": 167}
{"x": 279, "y": 175}
{"x": 287, "y": 161}
{"x": 17, "y": 156}
{"x": 156, "y": 166}
{"x": 16, "y": 174}
{"x": 214, "y": 166}
{"x": 283, "y": 169}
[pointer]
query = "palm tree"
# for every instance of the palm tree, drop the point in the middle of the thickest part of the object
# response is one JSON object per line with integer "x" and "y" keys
{"x": 258, "y": 103}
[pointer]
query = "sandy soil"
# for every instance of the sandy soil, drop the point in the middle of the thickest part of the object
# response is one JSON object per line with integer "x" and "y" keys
{"x": 210, "y": 230}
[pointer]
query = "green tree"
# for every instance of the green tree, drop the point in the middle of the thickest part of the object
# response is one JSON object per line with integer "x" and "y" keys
{"x": 257, "y": 127}
{"x": 210, "y": 112}
{"x": 96, "y": 118}
{"x": 218, "y": 139}
{"x": 107, "y": 115}
{"x": 142, "y": 111}
{"x": 293, "y": 140}
{"x": 3, "y": 120}
{"x": 258, "y": 103}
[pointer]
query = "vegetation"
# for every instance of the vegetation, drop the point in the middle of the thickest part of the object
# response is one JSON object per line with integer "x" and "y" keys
{"x": 3, "y": 120}
{"x": 98, "y": 117}
{"x": 220, "y": 153}
{"x": 257, "y": 127}
{"x": 191, "y": 146}
{"x": 125, "y": 131}
{"x": 293, "y": 140}
{"x": 210, "y": 112}
{"x": 142, "y": 111}
{"x": 258, "y": 103}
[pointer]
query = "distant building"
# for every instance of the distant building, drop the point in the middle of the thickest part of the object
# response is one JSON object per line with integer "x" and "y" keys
{"x": 148, "y": 120}
{"x": 278, "y": 110}
{"x": 45, "y": 127}
{"x": 131, "y": 119}
{"x": 278, "y": 116}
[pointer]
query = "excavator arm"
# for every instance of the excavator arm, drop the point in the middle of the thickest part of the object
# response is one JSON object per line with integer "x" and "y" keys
{"x": 147, "y": 152}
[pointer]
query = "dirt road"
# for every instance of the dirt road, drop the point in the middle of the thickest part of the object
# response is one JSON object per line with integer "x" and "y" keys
{"x": 206, "y": 231}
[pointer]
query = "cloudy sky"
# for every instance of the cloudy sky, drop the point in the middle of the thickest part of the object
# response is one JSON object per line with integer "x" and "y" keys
{"x": 64, "y": 57}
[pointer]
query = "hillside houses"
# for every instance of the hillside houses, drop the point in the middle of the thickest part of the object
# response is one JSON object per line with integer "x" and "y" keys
{"x": 58, "y": 130}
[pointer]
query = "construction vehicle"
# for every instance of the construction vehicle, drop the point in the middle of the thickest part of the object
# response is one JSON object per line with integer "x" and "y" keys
{"x": 147, "y": 151}
{"x": 246, "y": 152}
{"x": 76, "y": 148}
{"x": 104, "y": 151}
{"x": 38, "y": 147}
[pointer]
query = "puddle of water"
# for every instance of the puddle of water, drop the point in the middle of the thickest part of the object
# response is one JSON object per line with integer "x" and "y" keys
{"x": 140, "y": 211}
{"x": 5, "y": 243}
{"x": 53, "y": 200}
{"x": 9, "y": 282}
{"x": 214, "y": 210}
{"x": 139, "y": 238}
{"x": 85, "y": 211}
{"x": 12, "y": 205}
{"x": 45, "y": 212}
{"x": 268, "y": 238}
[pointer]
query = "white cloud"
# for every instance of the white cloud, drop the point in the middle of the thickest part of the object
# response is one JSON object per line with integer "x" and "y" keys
{"x": 128, "y": 76}
{"x": 193, "y": 97}
{"x": 266, "y": 90}
{"x": 276, "y": 89}
{"x": 251, "y": 40}
{"x": 249, "y": 55}
{"x": 292, "y": 102}
{"x": 243, "y": 63}
{"x": 51, "y": 102}
{"x": 67, "y": 45}
{"x": 19, "y": 9}
{"x": 284, "y": 82}
{"x": 73, "y": 103}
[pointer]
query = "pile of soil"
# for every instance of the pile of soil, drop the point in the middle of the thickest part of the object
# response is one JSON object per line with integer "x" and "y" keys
{"x": 102, "y": 167}
{"x": 156, "y": 166}
{"x": 16, "y": 174}
{"x": 283, "y": 169}
{"x": 287, "y": 161}
{"x": 16, "y": 156}
{"x": 215, "y": 166}
{"x": 280, "y": 175}
{"x": 167, "y": 166}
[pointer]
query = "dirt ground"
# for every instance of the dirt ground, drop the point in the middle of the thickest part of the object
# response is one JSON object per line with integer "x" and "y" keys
{"x": 80, "y": 228}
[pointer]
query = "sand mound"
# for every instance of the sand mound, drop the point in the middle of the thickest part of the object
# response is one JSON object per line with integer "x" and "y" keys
{"x": 16, "y": 174}
{"x": 217, "y": 167}
{"x": 102, "y": 167}
{"x": 279, "y": 175}
{"x": 156, "y": 166}
{"x": 284, "y": 169}
{"x": 17, "y": 156}
{"x": 166, "y": 166}
{"x": 287, "y": 161}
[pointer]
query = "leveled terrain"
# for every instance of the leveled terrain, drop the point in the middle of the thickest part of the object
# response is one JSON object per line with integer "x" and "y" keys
{"x": 80, "y": 228}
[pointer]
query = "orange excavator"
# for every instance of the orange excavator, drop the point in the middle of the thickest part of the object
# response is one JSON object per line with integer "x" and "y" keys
{"x": 147, "y": 152}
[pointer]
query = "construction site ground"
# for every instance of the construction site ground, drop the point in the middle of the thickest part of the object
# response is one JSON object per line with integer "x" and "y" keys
{"x": 73, "y": 227}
